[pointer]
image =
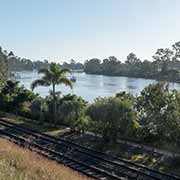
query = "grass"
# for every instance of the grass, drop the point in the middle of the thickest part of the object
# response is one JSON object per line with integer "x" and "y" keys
{"x": 137, "y": 155}
{"x": 21, "y": 164}
{"x": 168, "y": 165}
{"x": 42, "y": 127}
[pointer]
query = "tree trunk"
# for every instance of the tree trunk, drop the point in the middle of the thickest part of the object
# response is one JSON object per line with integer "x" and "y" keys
{"x": 54, "y": 104}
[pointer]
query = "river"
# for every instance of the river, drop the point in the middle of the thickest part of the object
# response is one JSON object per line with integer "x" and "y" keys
{"x": 93, "y": 86}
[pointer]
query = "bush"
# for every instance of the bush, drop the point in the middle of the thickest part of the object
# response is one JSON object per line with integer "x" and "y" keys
{"x": 112, "y": 116}
{"x": 70, "y": 111}
{"x": 153, "y": 116}
{"x": 16, "y": 99}
{"x": 39, "y": 109}
{"x": 159, "y": 113}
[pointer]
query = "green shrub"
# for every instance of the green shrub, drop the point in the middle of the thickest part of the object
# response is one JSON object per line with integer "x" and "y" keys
{"x": 159, "y": 113}
{"x": 112, "y": 116}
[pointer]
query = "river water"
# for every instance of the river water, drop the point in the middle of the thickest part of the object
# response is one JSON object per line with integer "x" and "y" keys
{"x": 93, "y": 86}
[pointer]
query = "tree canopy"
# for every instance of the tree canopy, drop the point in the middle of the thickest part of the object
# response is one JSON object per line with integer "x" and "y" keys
{"x": 53, "y": 75}
{"x": 165, "y": 65}
{"x": 3, "y": 66}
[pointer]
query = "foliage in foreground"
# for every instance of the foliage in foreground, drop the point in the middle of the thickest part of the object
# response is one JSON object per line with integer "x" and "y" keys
{"x": 152, "y": 117}
{"x": 53, "y": 76}
{"x": 158, "y": 111}
{"x": 112, "y": 116}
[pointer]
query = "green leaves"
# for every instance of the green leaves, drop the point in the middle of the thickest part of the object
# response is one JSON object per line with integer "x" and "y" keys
{"x": 153, "y": 116}
{"x": 65, "y": 81}
{"x": 40, "y": 82}
{"x": 159, "y": 113}
{"x": 3, "y": 68}
{"x": 112, "y": 117}
{"x": 70, "y": 110}
{"x": 53, "y": 76}
{"x": 12, "y": 97}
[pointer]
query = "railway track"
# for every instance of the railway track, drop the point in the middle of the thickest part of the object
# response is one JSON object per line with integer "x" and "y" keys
{"x": 85, "y": 160}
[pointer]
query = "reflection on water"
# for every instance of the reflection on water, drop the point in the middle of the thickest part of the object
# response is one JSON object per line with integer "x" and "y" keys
{"x": 92, "y": 86}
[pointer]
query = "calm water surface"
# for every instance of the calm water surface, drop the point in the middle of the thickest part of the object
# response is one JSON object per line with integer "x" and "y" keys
{"x": 93, "y": 86}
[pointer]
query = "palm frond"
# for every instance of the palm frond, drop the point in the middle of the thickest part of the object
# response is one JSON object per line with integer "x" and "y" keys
{"x": 39, "y": 82}
{"x": 64, "y": 80}
{"x": 54, "y": 68}
{"x": 64, "y": 70}
{"x": 47, "y": 73}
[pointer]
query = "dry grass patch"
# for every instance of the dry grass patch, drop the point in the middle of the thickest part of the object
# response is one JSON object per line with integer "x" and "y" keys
{"x": 20, "y": 164}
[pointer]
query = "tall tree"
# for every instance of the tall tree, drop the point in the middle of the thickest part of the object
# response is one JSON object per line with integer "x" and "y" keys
{"x": 176, "y": 49}
{"x": 159, "y": 113}
{"x": 3, "y": 66}
{"x": 53, "y": 75}
{"x": 111, "y": 117}
{"x": 93, "y": 66}
{"x": 132, "y": 59}
{"x": 162, "y": 58}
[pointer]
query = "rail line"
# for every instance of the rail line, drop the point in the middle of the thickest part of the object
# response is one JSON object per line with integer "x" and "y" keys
{"x": 90, "y": 162}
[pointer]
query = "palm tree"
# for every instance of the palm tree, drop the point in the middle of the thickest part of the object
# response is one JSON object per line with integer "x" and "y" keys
{"x": 53, "y": 75}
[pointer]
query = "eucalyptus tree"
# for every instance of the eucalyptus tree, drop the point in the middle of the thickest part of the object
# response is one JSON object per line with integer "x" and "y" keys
{"x": 93, "y": 66}
{"x": 132, "y": 59}
{"x": 53, "y": 76}
{"x": 176, "y": 49}
{"x": 159, "y": 113}
{"x": 113, "y": 116}
{"x": 3, "y": 67}
{"x": 163, "y": 58}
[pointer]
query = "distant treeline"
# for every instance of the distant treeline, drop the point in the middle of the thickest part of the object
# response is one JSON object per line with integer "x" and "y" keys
{"x": 22, "y": 64}
{"x": 165, "y": 65}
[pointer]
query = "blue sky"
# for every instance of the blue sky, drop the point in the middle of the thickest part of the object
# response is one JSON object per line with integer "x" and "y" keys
{"x": 59, "y": 30}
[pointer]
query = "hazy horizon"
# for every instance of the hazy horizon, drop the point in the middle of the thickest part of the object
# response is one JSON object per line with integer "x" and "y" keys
{"x": 82, "y": 30}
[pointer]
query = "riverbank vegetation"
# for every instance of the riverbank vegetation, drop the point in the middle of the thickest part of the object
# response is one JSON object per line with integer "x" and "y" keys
{"x": 165, "y": 65}
{"x": 3, "y": 67}
{"x": 53, "y": 76}
{"x": 16, "y": 63}
{"x": 17, "y": 163}
{"x": 152, "y": 118}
